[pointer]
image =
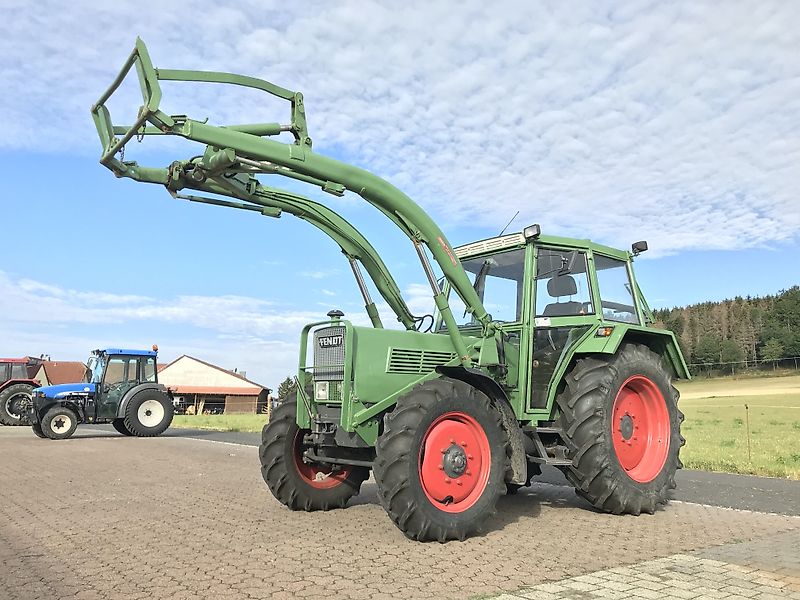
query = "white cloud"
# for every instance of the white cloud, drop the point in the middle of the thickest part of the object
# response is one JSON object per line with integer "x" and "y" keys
{"x": 674, "y": 122}
{"x": 232, "y": 331}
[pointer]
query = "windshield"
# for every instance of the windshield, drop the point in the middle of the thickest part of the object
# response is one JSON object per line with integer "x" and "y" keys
{"x": 498, "y": 282}
{"x": 95, "y": 365}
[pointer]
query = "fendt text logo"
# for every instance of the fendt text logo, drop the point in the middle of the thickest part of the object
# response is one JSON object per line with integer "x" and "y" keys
{"x": 330, "y": 341}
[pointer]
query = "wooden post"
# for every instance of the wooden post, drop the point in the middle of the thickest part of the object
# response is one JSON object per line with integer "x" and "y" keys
{"x": 747, "y": 417}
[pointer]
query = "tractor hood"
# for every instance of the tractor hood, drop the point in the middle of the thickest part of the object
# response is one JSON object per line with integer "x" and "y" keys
{"x": 65, "y": 389}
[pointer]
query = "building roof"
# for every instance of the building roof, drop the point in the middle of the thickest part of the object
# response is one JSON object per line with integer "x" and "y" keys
{"x": 61, "y": 371}
{"x": 210, "y": 390}
{"x": 189, "y": 375}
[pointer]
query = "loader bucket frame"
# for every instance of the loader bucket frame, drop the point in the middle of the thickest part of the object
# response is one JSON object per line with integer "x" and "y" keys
{"x": 235, "y": 153}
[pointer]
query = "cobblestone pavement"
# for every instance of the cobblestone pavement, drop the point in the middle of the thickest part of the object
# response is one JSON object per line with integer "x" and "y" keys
{"x": 766, "y": 569}
{"x": 104, "y": 516}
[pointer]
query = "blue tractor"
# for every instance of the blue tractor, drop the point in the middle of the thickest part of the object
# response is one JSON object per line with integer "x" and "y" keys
{"x": 121, "y": 387}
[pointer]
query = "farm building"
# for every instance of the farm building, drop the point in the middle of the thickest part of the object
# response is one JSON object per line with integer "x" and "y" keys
{"x": 55, "y": 372}
{"x": 200, "y": 387}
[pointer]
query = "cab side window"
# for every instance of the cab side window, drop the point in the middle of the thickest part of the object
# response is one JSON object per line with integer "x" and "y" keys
{"x": 150, "y": 369}
{"x": 615, "y": 290}
{"x": 562, "y": 286}
{"x": 115, "y": 371}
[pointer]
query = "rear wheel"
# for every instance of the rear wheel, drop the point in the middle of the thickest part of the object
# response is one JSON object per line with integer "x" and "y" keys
{"x": 59, "y": 423}
{"x": 15, "y": 402}
{"x": 441, "y": 461}
{"x": 148, "y": 414}
{"x": 119, "y": 425}
{"x": 294, "y": 482}
{"x": 622, "y": 427}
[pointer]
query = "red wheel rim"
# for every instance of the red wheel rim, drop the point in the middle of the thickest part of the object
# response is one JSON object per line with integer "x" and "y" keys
{"x": 454, "y": 462}
{"x": 317, "y": 476}
{"x": 640, "y": 427}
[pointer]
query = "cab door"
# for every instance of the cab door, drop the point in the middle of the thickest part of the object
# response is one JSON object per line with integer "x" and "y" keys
{"x": 121, "y": 374}
{"x": 563, "y": 311}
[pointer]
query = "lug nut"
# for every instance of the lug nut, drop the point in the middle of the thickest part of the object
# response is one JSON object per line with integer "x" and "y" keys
{"x": 447, "y": 480}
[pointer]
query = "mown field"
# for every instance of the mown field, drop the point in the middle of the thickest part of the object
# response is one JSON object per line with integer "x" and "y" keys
{"x": 715, "y": 427}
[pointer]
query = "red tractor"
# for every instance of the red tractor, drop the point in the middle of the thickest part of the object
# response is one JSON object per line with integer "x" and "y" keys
{"x": 16, "y": 388}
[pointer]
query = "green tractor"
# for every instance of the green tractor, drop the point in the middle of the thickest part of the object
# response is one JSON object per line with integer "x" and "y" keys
{"x": 459, "y": 407}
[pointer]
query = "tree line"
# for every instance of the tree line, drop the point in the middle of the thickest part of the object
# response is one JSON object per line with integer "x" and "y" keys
{"x": 740, "y": 330}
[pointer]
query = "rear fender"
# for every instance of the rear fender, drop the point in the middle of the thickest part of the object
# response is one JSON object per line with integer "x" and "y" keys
{"x": 483, "y": 383}
{"x": 10, "y": 382}
{"x": 135, "y": 390}
{"x": 660, "y": 341}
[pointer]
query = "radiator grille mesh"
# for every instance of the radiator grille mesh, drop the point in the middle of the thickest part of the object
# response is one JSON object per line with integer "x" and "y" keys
{"x": 329, "y": 354}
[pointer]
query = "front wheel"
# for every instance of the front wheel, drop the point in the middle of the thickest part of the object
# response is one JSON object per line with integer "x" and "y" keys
{"x": 441, "y": 461}
{"x": 148, "y": 414}
{"x": 294, "y": 482}
{"x": 622, "y": 428}
{"x": 59, "y": 423}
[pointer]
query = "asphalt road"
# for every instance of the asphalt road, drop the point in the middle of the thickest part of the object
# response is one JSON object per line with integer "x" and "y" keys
{"x": 743, "y": 492}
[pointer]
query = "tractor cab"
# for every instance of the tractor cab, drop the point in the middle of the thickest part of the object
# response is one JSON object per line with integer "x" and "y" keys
{"x": 550, "y": 295}
{"x": 115, "y": 380}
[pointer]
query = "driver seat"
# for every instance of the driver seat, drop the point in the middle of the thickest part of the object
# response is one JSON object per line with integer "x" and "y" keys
{"x": 558, "y": 287}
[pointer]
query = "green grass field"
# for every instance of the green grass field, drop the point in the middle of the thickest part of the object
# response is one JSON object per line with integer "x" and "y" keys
{"x": 715, "y": 427}
{"x": 251, "y": 423}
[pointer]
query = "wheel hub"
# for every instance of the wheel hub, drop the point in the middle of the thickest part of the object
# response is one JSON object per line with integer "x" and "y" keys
{"x": 454, "y": 461}
{"x": 640, "y": 424}
{"x": 626, "y": 427}
{"x": 18, "y": 405}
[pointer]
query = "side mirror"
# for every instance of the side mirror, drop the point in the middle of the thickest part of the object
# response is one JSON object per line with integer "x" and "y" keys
{"x": 638, "y": 247}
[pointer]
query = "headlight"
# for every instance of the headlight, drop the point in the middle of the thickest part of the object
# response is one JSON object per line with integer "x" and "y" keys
{"x": 321, "y": 390}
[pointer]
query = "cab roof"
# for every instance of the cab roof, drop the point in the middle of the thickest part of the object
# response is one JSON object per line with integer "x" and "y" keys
{"x": 517, "y": 240}
{"x": 129, "y": 352}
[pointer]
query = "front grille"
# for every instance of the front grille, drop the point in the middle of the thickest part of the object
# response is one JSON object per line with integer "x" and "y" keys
{"x": 411, "y": 361}
{"x": 329, "y": 354}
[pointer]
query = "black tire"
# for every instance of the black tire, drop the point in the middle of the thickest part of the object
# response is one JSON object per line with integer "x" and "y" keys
{"x": 292, "y": 482}
{"x": 11, "y": 413}
{"x": 148, "y": 414}
{"x": 416, "y": 419}
{"x": 119, "y": 425}
{"x": 59, "y": 423}
{"x": 586, "y": 405}
{"x": 37, "y": 429}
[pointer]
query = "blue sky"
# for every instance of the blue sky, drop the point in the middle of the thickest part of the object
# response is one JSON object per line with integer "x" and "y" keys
{"x": 672, "y": 122}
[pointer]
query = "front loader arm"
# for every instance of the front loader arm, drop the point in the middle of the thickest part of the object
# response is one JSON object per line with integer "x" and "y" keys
{"x": 245, "y": 148}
